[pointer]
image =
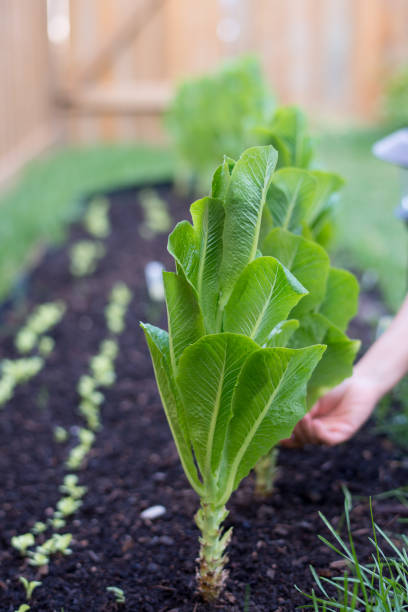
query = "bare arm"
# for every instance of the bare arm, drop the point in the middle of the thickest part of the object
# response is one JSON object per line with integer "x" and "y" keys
{"x": 386, "y": 362}
{"x": 340, "y": 413}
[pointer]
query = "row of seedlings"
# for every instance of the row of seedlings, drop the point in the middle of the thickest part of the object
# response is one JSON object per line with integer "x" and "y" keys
{"x": 101, "y": 375}
{"x": 32, "y": 338}
{"x": 85, "y": 254}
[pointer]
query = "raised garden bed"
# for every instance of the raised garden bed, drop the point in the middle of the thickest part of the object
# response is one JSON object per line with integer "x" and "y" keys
{"x": 133, "y": 463}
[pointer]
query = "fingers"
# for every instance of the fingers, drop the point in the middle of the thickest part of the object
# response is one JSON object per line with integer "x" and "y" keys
{"x": 317, "y": 431}
{"x": 290, "y": 443}
{"x": 305, "y": 431}
{"x": 332, "y": 431}
{"x": 328, "y": 422}
{"x": 302, "y": 434}
{"x": 326, "y": 404}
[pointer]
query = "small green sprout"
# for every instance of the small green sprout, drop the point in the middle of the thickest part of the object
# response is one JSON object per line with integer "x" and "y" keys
{"x": 84, "y": 256}
{"x": 116, "y": 309}
{"x": 90, "y": 412}
{"x": 46, "y": 346}
{"x": 157, "y": 219}
{"x": 57, "y": 523}
{"x": 96, "y": 220}
{"x": 96, "y": 398}
{"x": 39, "y": 527}
{"x": 41, "y": 320}
{"x": 6, "y": 389}
{"x": 86, "y": 437}
{"x": 60, "y": 434}
{"x": 102, "y": 370}
{"x": 62, "y": 542}
{"x": 114, "y": 317}
{"x": 29, "y": 586}
{"x": 78, "y": 453}
{"x": 86, "y": 386}
{"x": 67, "y": 506}
{"x": 15, "y": 372}
{"x": 46, "y": 316}
{"x": 25, "y": 341}
{"x": 38, "y": 558}
{"x": 23, "y": 608}
{"x": 118, "y": 593}
{"x": 58, "y": 543}
{"x": 22, "y": 542}
{"x": 109, "y": 348}
{"x": 71, "y": 487}
{"x": 103, "y": 375}
{"x": 121, "y": 294}
{"x": 76, "y": 457}
{"x": 21, "y": 370}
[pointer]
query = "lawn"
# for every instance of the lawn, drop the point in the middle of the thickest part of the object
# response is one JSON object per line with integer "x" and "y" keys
{"x": 369, "y": 236}
{"x": 46, "y": 197}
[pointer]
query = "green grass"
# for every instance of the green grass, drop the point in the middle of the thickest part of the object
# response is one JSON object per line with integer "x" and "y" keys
{"x": 378, "y": 586}
{"x": 45, "y": 199}
{"x": 369, "y": 236}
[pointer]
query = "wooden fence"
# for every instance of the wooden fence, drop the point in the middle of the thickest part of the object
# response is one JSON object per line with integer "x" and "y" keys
{"x": 331, "y": 56}
{"x": 113, "y": 76}
{"x": 26, "y": 118}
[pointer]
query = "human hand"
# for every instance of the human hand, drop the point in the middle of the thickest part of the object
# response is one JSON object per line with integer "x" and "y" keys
{"x": 337, "y": 415}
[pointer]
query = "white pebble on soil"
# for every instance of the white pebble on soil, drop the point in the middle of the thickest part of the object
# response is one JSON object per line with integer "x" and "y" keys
{"x": 153, "y": 512}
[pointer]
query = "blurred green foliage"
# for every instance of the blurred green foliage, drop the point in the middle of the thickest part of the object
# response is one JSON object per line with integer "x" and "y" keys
{"x": 368, "y": 234}
{"x": 46, "y": 196}
{"x": 392, "y": 414}
{"x": 216, "y": 115}
{"x": 288, "y": 132}
{"x": 396, "y": 99}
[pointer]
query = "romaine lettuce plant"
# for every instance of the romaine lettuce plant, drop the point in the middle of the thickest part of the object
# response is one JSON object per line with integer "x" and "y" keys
{"x": 216, "y": 114}
{"x": 288, "y": 132}
{"x": 238, "y": 114}
{"x": 298, "y": 211}
{"x": 229, "y": 393}
{"x": 323, "y": 315}
{"x": 314, "y": 192}
{"x": 294, "y": 201}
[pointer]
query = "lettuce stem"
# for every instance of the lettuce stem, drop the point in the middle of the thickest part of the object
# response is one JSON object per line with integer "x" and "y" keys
{"x": 266, "y": 472}
{"x": 211, "y": 572}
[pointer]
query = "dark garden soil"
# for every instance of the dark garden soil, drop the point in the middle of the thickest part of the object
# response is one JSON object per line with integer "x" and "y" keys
{"x": 133, "y": 465}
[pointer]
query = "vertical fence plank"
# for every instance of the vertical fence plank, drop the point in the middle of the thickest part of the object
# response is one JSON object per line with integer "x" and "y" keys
{"x": 26, "y": 125}
{"x": 107, "y": 20}
{"x": 337, "y": 57}
{"x": 368, "y": 61}
{"x": 84, "y": 41}
{"x": 191, "y": 45}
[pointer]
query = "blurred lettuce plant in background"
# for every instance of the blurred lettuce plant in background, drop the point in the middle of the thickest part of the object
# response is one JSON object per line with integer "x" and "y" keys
{"x": 217, "y": 114}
